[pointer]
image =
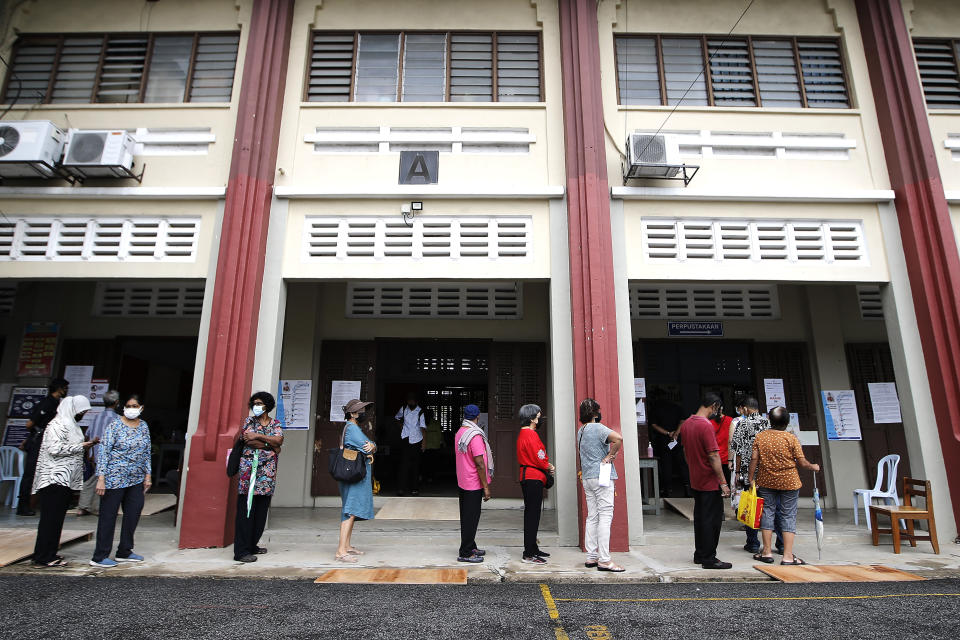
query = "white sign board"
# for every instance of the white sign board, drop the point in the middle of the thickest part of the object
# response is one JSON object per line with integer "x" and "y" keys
{"x": 641, "y": 411}
{"x": 840, "y": 413}
{"x": 773, "y": 391}
{"x": 296, "y": 395}
{"x": 886, "y": 403}
{"x": 639, "y": 387}
{"x": 342, "y": 392}
{"x": 97, "y": 389}
{"x": 79, "y": 377}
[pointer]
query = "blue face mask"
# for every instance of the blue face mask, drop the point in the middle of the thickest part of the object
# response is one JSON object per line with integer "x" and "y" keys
{"x": 258, "y": 410}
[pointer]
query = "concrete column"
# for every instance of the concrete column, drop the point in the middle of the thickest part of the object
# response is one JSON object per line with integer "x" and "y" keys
{"x": 913, "y": 387}
{"x": 843, "y": 460}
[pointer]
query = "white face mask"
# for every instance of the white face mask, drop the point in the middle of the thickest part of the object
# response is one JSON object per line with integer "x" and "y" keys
{"x": 131, "y": 413}
{"x": 258, "y": 410}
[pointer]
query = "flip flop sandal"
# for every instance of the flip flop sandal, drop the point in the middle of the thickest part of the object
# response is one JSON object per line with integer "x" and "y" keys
{"x": 354, "y": 552}
{"x": 796, "y": 562}
{"x": 347, "y": 558}
{"x": 762, "y": 558}
{"x": 611, "y": 567}
{"x": 56, "y": 562}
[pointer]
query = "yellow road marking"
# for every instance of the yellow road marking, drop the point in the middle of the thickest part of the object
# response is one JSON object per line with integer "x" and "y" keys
{"x": 553, "y": 612}
{"x": 597, "y": 632}
{"x": 715, "y": 599}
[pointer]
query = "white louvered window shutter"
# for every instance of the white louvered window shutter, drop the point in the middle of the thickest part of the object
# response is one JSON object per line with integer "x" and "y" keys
{"x": 823, "y": 76}
{"x": 214, "y": 67}
{"x": 683, "y": 70}
{"x": 776, "y": 69}
{"x": 149, "y": 299}
{"x": 477, "y": 300}
{"x": 871, "y": 301}
{"x": 375, "y": 78}
{"x": 939, "y": 75}
{"x": 121, "y": 69}
{"x": 33, "y": 64}
{"x": 638, "y": 75}
{"x": 471, "y": 67}
{"x": 424, "y": 67}
{"x": 703, "y": 302}
{"x": 77, "y": 69}
{"x": 518, "y": 67}
{"x": 731, "y": 74}
{"x": 331, "y": 67}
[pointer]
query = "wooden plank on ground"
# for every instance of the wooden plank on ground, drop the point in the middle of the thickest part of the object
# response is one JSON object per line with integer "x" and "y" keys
{"x": 420, "y": 509}
{"x": 17, "y": 544}
{"x": 393, "y": 576}
{"x": 683, "y": 506}
{"x": 836, "y": 573}
{"x": 156, "y": 502}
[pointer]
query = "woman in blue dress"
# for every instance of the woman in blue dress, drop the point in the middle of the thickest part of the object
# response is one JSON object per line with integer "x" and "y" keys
{"x": 356, "y": 497}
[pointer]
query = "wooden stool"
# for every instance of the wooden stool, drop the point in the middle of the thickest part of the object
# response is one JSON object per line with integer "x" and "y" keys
{"x": 908, "y": 513}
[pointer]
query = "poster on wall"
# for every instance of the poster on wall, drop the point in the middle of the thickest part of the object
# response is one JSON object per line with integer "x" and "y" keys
{"x": 15, "y": 432}
{"x": 80, "y": 378}
{"x": 773, "y": 391}
{"x": 38, "y": 349}
{"x": 98, "y": 387}
{"x": 342, "y": 392}
{"x": 640, "y": 396}
{"x": 295, "y": 396}
{"x": 840, "y": 412}
{"x": 24, "y": 400}
{"x": 885, "y": 402}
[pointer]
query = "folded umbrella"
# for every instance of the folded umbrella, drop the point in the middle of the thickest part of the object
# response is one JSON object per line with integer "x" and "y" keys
{"x": 818, "y": 518}
{"x": 253, "y": 479}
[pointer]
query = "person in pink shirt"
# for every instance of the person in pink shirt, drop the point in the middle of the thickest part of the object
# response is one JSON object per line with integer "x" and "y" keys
{"x": 474, "y": 473}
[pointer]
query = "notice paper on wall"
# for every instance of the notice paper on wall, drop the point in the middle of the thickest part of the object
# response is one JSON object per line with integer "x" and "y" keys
{"x": 342, "y": 392}
{"x": 15, "y": 433}
{"x": 840, "y": 412}
{"x": 642, "y": 411}
{"x": 80, "y": 378}
{"x": 639, "y": 387}
{"x": 773, "y": 391}
{"x": 296, "y": 395}
{"x": 98, "y": 387}
{"x": 885, "y": 402}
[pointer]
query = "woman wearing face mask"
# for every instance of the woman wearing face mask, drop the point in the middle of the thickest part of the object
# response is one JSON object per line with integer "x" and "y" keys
{"x": 598, "y": 445}
{"x": 59, "y": 474}
{"x": 534, "y": 467}
{"x": 262, "y": 438}
{"x": 356, "y": 497}
{"x": 123, "y": 476}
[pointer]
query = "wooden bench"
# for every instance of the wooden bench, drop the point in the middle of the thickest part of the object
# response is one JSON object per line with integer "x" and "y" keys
{"x": 908, "y": 513}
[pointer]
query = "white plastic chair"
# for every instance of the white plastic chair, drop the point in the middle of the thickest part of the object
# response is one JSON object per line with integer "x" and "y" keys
{"x": 11, "y": 469}
{"x": 887, "y": 467}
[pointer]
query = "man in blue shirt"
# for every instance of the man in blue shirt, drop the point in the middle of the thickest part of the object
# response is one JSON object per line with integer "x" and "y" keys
{"x": 89, "y": 500}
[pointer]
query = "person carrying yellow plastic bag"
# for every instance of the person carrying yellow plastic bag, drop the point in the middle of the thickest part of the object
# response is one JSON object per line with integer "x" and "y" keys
{"x": 750, "y": 508}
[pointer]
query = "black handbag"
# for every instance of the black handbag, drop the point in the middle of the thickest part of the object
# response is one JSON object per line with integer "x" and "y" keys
{"x": 347, "y": 465}
{"x": 233, "y": 462}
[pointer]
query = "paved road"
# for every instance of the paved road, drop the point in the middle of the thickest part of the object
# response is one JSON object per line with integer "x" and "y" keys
{"x": 156, "y": 609}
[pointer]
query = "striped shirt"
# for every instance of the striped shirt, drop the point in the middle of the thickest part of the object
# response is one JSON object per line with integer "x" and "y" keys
{"x": 60, "y": 460}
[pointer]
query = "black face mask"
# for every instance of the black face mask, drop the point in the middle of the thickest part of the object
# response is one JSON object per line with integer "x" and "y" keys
{"x": 597, "y": 418}
{"x": 78, "y": 417}
{"x": 361, "y": 418}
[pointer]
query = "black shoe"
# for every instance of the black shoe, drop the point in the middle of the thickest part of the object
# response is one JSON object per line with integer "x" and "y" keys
{"x": 480, "y": 552}
{"x": 717, "y": 564}
{"x": 247, "y": 558}
{"x": 26, "y": 512}
{"x": 542, "y": 553}
{"x": 472, "y": 559}
{"x": 260, "y": 550}
{"x": 590, "y": 565}
{"x": 750, "y": 549}
{"x": 779, "y": 550}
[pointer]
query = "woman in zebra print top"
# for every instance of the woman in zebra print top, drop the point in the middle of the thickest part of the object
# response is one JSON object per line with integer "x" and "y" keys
{"x": 59, "y": 474}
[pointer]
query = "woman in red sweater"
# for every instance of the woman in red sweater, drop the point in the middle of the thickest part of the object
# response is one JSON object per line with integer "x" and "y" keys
{"x": 534, "y": 467}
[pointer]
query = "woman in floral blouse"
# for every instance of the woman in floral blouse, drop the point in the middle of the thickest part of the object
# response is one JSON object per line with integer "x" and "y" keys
{"x": 262, "y": 437}
{"x": 123, "y": 470}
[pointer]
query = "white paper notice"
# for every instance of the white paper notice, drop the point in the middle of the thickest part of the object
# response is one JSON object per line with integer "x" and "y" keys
{"x": 296, "y": 396}
{"x": 840, "y": 411}
{"x": 641, "y": 411}
{"x": 342, "y": 392}
{"x": 79, "y": 378}
{"x": 886, "y": 403}
{"x": 773, "y": 390}
{"x": 97, "y": 389}
{"x": 639, "y": 387}
{"x": 605, "y": 470}
{"x": 671, "y": 444}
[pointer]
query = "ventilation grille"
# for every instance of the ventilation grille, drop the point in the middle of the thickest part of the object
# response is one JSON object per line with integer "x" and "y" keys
{"x": 8, "y": 295}
{"x": 99, "y": 239}
{"x": 871, "y": 301}
{"x": 425, "y": 300}
{"x": 775, "y": 145}
{"x": 704, "y": 302}
{"x": 443, "y": 139}
{"x": 173, "y": 141}
{"x": 368, "y": 238}
{"x": 149, "y": 300}
{"x": 754, "y": 240}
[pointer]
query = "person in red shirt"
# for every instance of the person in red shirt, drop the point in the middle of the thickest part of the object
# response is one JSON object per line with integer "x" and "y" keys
{"x": 721, "y": 429}
{"x": 534, "y": 467}
{"x": 707, "y": 480}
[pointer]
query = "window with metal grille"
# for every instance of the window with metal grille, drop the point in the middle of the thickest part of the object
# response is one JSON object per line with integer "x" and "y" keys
{"x": 122, "y": 68}
{"x": 751, "y": 71}
{"x": 424, "y": 67}
{"x": 939, "y": 65}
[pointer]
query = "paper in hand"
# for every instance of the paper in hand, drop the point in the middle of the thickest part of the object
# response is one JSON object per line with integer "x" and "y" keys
{"x": 671, "y": 444}
{"x": 605, "y": 470}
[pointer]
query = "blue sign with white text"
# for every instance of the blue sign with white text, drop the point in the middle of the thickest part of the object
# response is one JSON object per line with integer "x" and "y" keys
{"x": 695, "y": 329}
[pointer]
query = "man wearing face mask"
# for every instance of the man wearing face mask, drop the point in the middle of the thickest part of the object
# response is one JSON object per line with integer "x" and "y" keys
{"x": 413, "y": 430}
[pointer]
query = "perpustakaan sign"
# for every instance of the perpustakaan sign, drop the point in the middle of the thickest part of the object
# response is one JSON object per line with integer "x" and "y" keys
{"x": 419, "y": 167}
{"x": 695, "y": 329}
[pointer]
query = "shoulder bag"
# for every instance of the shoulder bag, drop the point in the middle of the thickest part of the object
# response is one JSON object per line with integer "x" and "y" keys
{"x": 347, "y": 465}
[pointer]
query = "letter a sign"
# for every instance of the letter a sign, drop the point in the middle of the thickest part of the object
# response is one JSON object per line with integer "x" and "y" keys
{"x": 419, "y": 167}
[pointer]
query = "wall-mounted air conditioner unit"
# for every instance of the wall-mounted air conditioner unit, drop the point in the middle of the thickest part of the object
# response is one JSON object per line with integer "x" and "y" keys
{"x": 99, "y": 154}
{"x": 652, "y": 156}
{"x": 30, "y": 149}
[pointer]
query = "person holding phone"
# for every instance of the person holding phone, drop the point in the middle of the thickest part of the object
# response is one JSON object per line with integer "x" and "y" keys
{"x": 123, "y": 477}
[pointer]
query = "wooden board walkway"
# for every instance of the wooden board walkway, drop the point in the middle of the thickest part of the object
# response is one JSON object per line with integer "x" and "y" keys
{"x": 836, "y": 573}
{"x": 17, "y": 544}
{"x": 393, "y": 576}
{"x": 420, "y": 509}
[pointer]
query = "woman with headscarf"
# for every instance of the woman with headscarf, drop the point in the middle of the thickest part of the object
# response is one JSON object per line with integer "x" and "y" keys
{"x": 123, "y": 477}
{"x": 356, "y": 497}
{"x": 59, "y": 474}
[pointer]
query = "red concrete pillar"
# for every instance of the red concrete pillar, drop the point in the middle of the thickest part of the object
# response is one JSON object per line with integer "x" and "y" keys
{"x": 209, "y": 498}
{"x": 929, "y": 244}
{"x": 595, "y": 366}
